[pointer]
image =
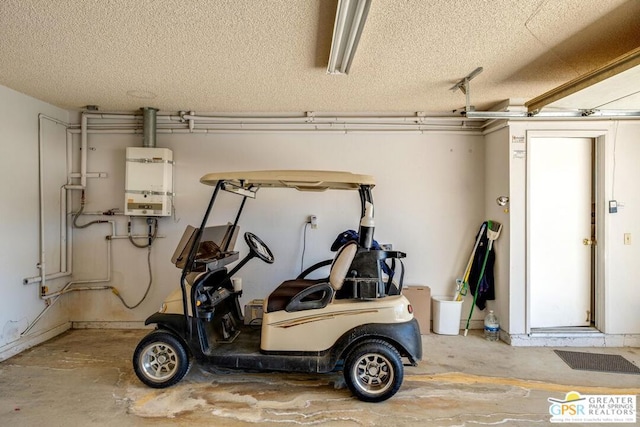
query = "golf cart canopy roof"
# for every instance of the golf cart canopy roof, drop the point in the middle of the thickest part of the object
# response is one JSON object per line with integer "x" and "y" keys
{"x": 303, "y": 180}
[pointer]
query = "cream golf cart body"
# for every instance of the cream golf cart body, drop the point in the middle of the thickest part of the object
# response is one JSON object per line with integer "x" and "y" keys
{"x": 355, "y": 320}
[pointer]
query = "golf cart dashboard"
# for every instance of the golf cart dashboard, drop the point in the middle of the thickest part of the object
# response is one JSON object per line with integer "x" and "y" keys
{"x": 215, "y": 247}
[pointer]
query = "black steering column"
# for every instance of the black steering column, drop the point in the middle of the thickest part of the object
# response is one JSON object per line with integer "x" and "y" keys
{"x": 257, "y": 248}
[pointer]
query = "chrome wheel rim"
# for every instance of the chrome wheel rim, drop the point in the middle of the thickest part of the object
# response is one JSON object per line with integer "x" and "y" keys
{"x": 373, "y": 373}
{"x": 159, "y": 361}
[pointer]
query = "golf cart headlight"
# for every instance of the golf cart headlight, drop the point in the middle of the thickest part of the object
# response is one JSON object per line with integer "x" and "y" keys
{"x": 163, "y": 308}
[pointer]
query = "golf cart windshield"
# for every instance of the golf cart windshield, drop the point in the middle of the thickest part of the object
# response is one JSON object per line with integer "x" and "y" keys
{"x": 246, "y": 184}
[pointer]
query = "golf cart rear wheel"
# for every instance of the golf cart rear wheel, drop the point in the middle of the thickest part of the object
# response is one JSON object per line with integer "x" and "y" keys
{"x": 160, "y": 360}
{"x": 373, "y": 371}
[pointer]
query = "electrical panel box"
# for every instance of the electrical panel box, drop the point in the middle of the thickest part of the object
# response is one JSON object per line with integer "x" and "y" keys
{"x": 148, "y": 181}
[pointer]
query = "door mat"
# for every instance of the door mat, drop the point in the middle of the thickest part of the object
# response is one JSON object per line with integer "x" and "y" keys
{"x": 597, "y": 362}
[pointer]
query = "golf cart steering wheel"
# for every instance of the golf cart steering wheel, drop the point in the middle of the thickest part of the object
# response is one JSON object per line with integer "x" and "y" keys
{"x": 258, "y": 248}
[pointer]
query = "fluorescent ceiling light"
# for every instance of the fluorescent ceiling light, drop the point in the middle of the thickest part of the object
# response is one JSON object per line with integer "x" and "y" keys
{"x": 350, "y": 18}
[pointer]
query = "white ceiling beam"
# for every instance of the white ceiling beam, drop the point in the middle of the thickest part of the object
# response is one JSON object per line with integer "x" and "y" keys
{"x": 623, "y": 63}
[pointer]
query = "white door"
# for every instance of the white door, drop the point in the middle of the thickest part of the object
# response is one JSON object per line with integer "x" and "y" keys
{"x": 559, "y": 219}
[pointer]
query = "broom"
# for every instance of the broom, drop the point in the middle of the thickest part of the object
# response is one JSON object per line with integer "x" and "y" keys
{"x": 493, "y": 232}
{"x": 463, "y": 284}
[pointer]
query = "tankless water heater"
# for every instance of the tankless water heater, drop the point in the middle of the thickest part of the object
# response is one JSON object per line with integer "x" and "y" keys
{"x": 148, "y": 181}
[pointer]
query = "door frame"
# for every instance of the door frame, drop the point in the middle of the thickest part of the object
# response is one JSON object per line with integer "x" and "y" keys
{"x": 598, "y": 181}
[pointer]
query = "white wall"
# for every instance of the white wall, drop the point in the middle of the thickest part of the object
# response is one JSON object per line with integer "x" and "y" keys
{"x": 496, "y": 185}
{"x": 19, "y": 224}
{"x": 622, "y": 269}
{"x": 429, "y": 203}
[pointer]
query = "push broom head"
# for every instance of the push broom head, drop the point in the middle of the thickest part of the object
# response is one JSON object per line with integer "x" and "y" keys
{"x": 493, "y": 230}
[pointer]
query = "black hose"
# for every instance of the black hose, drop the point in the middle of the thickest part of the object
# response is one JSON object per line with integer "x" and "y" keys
{"x": 77, "y": 214}
{"x": 152, "y": 236}
{"x": 146, "y": 292}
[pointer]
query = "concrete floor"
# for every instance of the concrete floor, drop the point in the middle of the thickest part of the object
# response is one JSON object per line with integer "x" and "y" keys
{"x": 84, "y": 377}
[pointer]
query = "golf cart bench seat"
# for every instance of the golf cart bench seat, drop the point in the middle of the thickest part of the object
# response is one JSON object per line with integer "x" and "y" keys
{"x": 295, "y": 295}
{"x": 283, "y": 294}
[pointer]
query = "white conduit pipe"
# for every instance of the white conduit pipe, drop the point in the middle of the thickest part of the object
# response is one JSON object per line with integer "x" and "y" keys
{"x": 125, "y": 116}
{"x": 114, "y": 116}
{"x": 250, "y": 124}
{"x": 42, "y": 263}
{"x": 38, "y": 279}
{"x": 289, "y": 119}
{"x": 112, "y": 131}
{"x": 66, "y": 259}
{"x": 331, "y": 119}
{"x": 306, "y": 124}
{"x": 67, "y": 288}
{"x": 408, "y": 119}
{"x": 285, "y": 127}
{"x": 69, "y": 148}
{"x": 63, "y": 230}
{"x": 63, "y": 250}
{"x": 35, "y": 321}
{"x": 296, "y": 127}
{"x": 69, "y": 186}
{"x": 289, "y": 130}
{"x": 319, "y": 126}
{"x": 83, "y": 149}
{"x": 56, "y": 295}
{"x": 458, "y": 125}
{"x": 326, "y": 126}
{"x": 68, "y": 230}
{"x": 54, "y": 120}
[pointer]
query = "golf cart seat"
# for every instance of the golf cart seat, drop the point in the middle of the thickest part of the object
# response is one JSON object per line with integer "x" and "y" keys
{"x": 305, "y": 294}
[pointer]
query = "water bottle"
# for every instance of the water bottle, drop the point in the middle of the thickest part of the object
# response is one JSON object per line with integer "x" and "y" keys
{"x": 491, "y": 327}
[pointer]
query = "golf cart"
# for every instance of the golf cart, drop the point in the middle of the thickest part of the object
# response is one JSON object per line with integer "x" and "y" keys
{"x": 355, "y": 320}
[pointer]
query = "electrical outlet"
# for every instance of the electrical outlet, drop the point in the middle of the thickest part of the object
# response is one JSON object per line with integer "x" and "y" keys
{"x": 313, "y": 220}
{"x": 627, "y": 238}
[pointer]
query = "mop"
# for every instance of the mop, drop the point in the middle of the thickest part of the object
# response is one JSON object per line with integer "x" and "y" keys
{"x": 462, "y": 285}
{"x": 493, "y": 232}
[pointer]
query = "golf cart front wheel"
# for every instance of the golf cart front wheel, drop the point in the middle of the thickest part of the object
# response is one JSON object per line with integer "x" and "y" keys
{"x": 373, "y": 371}
{"x": 160, "y": 360}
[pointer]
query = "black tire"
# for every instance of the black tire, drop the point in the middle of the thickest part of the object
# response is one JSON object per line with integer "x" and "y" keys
{"x": 160, "y": 360}
{"x": 373, "y": 371}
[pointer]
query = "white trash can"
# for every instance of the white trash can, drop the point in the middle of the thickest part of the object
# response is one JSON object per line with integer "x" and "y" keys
{"x": 446, "y": 315}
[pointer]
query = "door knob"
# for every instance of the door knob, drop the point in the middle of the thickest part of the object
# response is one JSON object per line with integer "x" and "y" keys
{"x": 588, "y": 242}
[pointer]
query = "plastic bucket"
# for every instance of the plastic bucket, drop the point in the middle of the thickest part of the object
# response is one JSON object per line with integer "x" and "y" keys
{"x": 446, "y": 315}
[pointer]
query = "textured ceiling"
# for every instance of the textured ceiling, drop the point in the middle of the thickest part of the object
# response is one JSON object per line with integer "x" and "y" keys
{"x": 271, "y": 55}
